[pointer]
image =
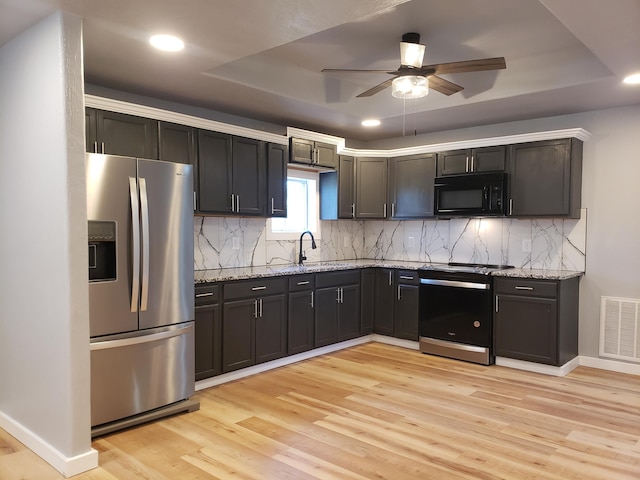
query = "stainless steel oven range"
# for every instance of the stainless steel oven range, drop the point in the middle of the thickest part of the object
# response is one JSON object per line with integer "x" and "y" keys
{"x": 456, "y": 314}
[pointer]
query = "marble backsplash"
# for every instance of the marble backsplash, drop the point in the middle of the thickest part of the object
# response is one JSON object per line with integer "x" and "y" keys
{"x": 554, "y": 244}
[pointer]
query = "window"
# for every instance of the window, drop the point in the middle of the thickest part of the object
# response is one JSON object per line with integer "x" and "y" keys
{"x": 302, "y": 208}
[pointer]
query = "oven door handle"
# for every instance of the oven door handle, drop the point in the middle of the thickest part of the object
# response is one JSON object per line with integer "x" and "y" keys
{"x": 454, "y": 283}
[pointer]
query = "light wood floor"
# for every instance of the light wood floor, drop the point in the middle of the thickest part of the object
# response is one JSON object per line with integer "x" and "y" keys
{"x": 381, "y": 412}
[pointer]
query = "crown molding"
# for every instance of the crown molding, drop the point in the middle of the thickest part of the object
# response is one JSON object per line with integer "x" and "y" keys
{"x": 180, "y": 118}
{"x": 197, "y": 122}
{"x": 579, "y": 133}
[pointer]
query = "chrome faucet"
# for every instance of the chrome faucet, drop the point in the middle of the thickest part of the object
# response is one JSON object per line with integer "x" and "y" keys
{"x": 301, "y": 256}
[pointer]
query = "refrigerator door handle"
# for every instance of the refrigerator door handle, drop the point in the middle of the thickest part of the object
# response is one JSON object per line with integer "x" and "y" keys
{"x": 135, "y": 233}
{"x": 124, "y": 342}
{"x": 144, "y": 204}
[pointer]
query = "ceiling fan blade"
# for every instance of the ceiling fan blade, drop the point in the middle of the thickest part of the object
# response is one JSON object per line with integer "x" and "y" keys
{"x": 478, "y": 65}
{"x": 377, "y": 88}
{"x": 347, "y": 70}
{"x": 443, "y": 86}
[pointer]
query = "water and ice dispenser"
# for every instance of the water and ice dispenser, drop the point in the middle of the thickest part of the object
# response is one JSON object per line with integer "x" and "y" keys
{"x": 102, "y": 251}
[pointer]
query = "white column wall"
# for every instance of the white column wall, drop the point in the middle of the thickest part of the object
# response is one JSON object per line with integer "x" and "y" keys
{"x": 44, "y": 330}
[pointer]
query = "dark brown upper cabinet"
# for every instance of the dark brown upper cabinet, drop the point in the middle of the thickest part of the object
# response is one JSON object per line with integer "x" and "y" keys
{"x": 471, "y": 160}
{"x": 277, "y": 160}
{"x": 120, "y": 134}
{"x": 176, "y": 143}
{"x": 337, "y": 191}
{"x": 411, "y": 185}
{"x": 231, "y": 175}
{"x": 313, "y": 153}
{"x": 545, "y": 178}
{"x": 371, "y": 187}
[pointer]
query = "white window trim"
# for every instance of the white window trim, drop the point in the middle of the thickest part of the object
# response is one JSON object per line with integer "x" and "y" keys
{"x": 311, "y": 175}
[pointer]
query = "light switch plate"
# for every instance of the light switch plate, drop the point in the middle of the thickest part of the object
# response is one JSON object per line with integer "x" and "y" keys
{"x": 526, "y": 245}
{"x": 236, "y": 243}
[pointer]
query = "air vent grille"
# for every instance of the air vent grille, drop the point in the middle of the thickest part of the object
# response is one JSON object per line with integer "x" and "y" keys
{"x": 620, "y": 328}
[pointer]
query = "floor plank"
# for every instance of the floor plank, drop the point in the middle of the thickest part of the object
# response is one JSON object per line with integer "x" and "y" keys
{"x": 380, "y": 412}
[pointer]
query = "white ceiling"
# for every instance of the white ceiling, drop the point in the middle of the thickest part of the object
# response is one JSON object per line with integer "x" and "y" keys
{"x": 262, "y": 58}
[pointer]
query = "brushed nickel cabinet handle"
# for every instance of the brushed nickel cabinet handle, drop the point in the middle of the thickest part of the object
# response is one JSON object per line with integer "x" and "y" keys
{"x": 254, "y": 289}
{"x": 524, "y": 288}
{"x": 208, "y": 294}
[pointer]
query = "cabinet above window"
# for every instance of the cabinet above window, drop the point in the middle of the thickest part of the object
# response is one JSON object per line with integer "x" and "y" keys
{"x": 309, "y": 152}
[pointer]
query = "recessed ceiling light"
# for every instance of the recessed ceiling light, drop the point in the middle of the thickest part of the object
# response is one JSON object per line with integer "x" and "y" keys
{"x": 632, "y": 79}
{"x": 168, "y": 43}
{"x": 371, "y": 122}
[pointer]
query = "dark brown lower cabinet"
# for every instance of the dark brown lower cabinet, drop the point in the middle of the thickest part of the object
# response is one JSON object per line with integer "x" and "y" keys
{"x": 337, "y": 303}
{"x": 536, "y": 320}
{"x": 254, "y": 326}
{"x": 405, "y": 313}
{"x": 396, "y": 303}
{"x": 301, "y": 314}
{"x": 208, "y": 332}
{"x": 367, "y": 296}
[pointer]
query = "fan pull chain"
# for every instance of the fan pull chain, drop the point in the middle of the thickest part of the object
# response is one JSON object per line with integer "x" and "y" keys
{"x": 404, "y": 114}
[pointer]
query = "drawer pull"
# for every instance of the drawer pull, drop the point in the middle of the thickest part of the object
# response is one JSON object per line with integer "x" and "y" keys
{"x": 524, "y": 288}
{"x": 208, "y": 294}
{"x": 255, "y": 289}
{"x": 404, "y": 277}
{"x": 303, "y": 283}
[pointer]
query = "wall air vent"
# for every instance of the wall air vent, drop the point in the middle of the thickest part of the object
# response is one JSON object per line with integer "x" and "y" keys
{"x": 620, "y": 328}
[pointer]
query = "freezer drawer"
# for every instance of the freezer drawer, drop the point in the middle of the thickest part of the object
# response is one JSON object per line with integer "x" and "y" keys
{"x": 135, "y": 374}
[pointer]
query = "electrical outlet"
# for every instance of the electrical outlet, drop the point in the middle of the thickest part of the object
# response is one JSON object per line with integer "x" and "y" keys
{"x": 346, "y": 241}
{"x": 411, "y": 242}
{"x": 236, "y": 243}
{"x": 526, "y": 245}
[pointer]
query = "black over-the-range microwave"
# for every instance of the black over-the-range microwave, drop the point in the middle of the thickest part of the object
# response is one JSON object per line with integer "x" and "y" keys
{"x": 476, "y": 194}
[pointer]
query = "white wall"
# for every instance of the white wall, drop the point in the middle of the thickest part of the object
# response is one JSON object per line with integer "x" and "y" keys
{"x": 44, "y": 329}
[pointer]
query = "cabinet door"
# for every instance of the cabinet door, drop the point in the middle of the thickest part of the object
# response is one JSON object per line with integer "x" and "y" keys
{"x": 488, "y": 159}
{"x": 326, "y": 155}
{"x": 453, "y": 162}
{"x": 346, "y": 186}
{"x": 367, "y": 300}
{"x": 177, "y": 143}
{"x": 238, "y": 335}
{"x": 525, "y": 328}
{"x": 385, "y": 296}
{"x": 411, "y": 186}
{"x": 301, "y": 150}
{"x": 406, "y": 312}
{"x": 326, "y": 324}
{"x": 127, "y": 135}
{"x": 277, "y": 159}
{"x": 208, "y": 341}
{"x": 249, "y": 176}
{"x": 271, "y": 332}
{"x": 349, "y": 312}
{"x": 214, "y": 172}
{"x": 91, "y": 141}
{"x": 540, "y": 175}
{"x": 301, "y": 321}
{"x": 371, "y": 187}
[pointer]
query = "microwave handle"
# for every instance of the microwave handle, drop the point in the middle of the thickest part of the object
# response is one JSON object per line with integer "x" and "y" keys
{"x": 485, "y": 196}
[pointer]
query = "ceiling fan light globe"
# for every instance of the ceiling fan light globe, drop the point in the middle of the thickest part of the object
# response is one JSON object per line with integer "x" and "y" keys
{"x": 411, "y": 54}
{"x": 410, "y": 86}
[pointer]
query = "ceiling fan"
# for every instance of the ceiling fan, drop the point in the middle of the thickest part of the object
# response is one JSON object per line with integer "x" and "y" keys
{"x": 412, "y": 79}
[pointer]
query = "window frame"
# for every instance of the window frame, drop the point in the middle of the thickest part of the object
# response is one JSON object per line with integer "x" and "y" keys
{"x": 307, "y": 175}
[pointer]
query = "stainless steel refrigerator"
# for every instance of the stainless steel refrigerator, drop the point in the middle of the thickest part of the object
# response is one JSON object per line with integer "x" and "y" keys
{"x": 141, "y": 287}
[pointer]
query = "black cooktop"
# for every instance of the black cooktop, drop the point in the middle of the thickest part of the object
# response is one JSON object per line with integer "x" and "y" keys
{"x": 479, "y": 268}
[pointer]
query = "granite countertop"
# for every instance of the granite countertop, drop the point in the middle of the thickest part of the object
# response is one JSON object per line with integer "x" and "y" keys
{"x": 227, "y": 274}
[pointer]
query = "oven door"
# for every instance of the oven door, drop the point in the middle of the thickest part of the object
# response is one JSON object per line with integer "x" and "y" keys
{"x": 455, "y": 318}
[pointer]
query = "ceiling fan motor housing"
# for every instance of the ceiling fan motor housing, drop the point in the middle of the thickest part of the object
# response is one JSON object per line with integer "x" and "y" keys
{"x": 411, "y": 51}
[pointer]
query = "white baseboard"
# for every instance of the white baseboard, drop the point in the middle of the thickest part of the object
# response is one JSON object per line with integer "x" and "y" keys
{"x": 611, "y": 365}
{"x": 281, "y": 362}
{"x": 539, "y": 367}
{"x": 398, "y": 342}
{"x": 68, "y": 466}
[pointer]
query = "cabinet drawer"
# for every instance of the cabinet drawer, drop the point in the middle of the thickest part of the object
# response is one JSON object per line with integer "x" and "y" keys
{"x": 301, "y": 282}
{"x": 207, "y": 294}
{"x": 332, "y": 279}
{"x": 407, "y": 277}
{"x": 254, "y": 288}
{"x": 527, "y": 287}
